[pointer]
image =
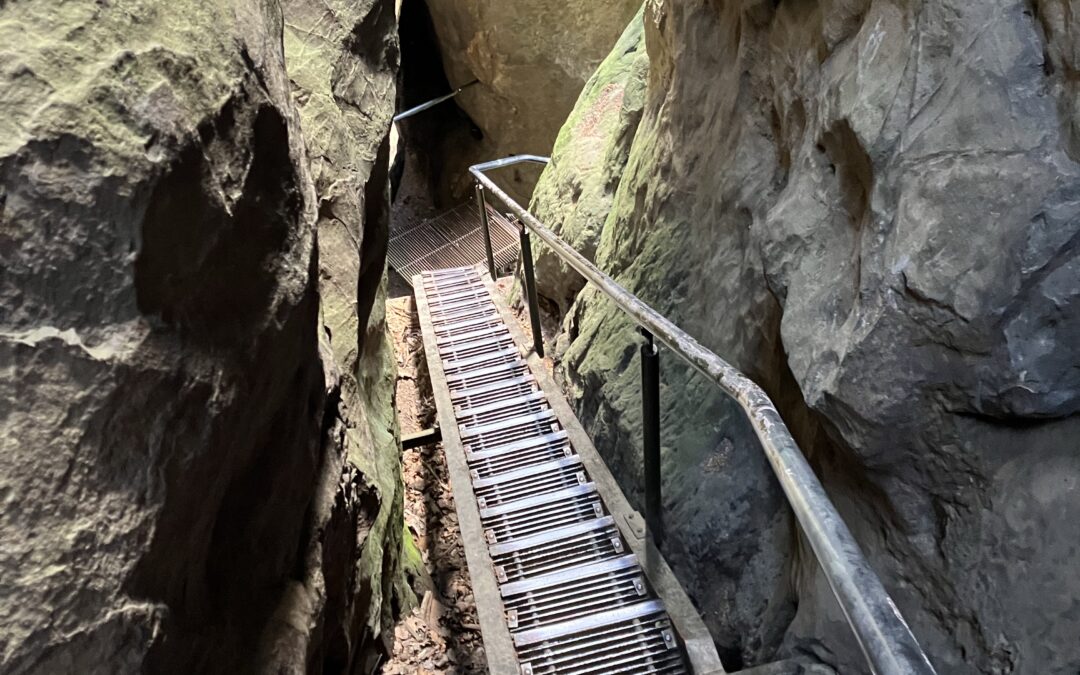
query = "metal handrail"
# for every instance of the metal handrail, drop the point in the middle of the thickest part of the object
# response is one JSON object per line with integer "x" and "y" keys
{"x": 433, "y": 102}
{"x": 884, "y": 636}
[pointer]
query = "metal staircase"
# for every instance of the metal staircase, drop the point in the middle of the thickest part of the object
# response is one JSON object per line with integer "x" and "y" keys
{"x": 451, "y": 239}
{"x": 564, "y": 578}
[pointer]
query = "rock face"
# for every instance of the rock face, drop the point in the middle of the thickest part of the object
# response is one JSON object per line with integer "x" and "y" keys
{"x": 342, "y": 62}
{"x": 196, "y": 475}
{"x": 532, "y": 60}
{"x": 575, "y": 193}
{"x": 873, "y": 209}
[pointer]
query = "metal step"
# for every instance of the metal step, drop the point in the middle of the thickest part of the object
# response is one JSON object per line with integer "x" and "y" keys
{"x": 581, "y": 624}
{"x": 479, "y": 348}
{"x": 528, "y": 480}
{"x": 594, "y": 594}
{"x": 533, "y": 504}
{"x": 509, "y": 430}
{"x": 567, "y": 575}
{"x": 485, "y": 333}
{"x": 468, "y": 290}
{"x": 496, "y": 391}
{"x": 462, "y": 305}
{"x": 553, "y": 541}
{"x": 638, "y": 644}
{"x": 484, "y": 376}
{"x": 471, "y": 291}
{"x": 481, "y": 410}
{"x": 455, "y": 325}
{"x": 571, "y": 593}
{"x": 529, "y": 404}
{"x": 495, "y": 357}
{"x": 581, "y": 505}
{"x": 519, "y": 454}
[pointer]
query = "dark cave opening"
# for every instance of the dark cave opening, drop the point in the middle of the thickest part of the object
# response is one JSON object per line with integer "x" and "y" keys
{"x": 425, "y": 140}
{"x": 424, "y": 146}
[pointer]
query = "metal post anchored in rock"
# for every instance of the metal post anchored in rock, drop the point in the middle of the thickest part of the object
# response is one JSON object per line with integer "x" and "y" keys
{"x": 481, "y": 202}
{"x": 650, "y": 423}
{"x": 530, "y": 290}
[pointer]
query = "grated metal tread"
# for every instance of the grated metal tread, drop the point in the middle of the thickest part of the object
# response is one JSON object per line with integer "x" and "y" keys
{"x": 450, "y": 239}
{"x": 574, "y": 596}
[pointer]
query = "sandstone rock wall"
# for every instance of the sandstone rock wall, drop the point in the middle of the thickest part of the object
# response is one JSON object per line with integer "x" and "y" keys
{"x": 575, "y": 193}
{"x": 532, "y": 59}
{"x": 873, "y": 208}
{"x": 199, "y": 466}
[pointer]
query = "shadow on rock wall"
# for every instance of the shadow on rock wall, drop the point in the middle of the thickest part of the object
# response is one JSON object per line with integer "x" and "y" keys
{"x": 195, "y": 476}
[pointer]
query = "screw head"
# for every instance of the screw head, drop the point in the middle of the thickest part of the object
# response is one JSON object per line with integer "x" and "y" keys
{"x": 669, "y": 639}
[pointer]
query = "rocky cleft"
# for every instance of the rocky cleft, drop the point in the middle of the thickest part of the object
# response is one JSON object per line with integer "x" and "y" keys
{"x": 532, "y": 60}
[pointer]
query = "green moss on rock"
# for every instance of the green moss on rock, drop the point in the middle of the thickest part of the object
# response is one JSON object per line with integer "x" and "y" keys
{"x": 883, "y": 237}
{"x": 575, "y": 191}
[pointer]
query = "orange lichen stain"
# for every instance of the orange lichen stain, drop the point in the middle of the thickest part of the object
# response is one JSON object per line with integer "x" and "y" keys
{"x": 588, "y": 134}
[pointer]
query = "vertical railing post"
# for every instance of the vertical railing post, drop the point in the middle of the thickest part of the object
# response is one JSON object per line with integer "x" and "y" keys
{"x": 481, "y": 202}
{"x": 530, "y": 289}
{"x": 650, "y": 422}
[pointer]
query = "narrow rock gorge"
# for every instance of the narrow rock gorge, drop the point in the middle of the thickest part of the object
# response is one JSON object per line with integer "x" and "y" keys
{"x": 531, "y": 60}
{"x": 870, "y": 207}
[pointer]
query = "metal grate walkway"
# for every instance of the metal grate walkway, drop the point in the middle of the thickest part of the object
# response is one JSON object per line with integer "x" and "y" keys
{"x": 451, "y": 239}
{"x": 557, "y": 556}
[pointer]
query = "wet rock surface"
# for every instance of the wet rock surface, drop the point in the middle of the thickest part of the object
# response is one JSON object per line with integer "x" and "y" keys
{"x": 873, "y": 209}
{"x": 198, "y": 474}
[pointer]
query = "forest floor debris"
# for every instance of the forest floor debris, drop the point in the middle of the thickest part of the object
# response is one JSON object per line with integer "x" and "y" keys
{"x": 441, "y": 635}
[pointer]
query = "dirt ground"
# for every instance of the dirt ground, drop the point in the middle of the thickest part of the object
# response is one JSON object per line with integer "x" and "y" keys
{"x": 442, "y": 634}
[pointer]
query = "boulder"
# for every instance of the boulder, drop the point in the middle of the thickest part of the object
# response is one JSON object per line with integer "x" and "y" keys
{"x": 179, "y": 488}
{"x": 574, "y": 194}
{"x": 872, "y": 208}
{"x": 342, "y": 61}
{"x": 531, "y": 59}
